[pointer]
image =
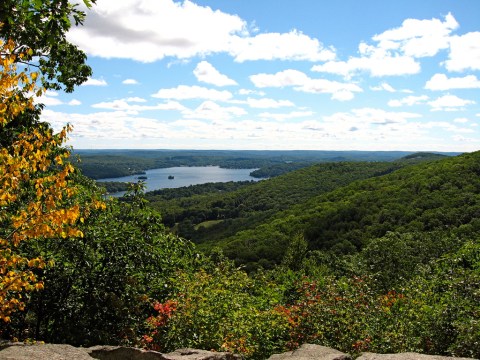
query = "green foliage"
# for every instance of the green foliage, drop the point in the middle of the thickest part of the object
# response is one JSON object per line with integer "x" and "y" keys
{"x": 42, "y": 27}
{"x": 426, "y": 197}
{"x": 243, "y": 209}
{"x": 396, "y": 257}
{"x": 101, "y": 287}
{"x": 220, "y": 308}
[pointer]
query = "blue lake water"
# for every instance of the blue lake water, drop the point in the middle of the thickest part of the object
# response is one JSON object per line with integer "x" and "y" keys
{"x": 185, "y": 176}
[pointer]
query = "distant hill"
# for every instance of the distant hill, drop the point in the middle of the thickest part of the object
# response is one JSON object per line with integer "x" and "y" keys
{"x": 219, "y": 214}
{"x": 433, "y": 195}
{"x": 99, "y": 164}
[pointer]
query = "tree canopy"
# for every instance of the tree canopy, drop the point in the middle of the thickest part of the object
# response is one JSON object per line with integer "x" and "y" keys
{"x": 38, "y": 28}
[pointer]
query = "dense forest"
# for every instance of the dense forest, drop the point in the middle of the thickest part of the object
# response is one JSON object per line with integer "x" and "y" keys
{"x": 380, "y": 256}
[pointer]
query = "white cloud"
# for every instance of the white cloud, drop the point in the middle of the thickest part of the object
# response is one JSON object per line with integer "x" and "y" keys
{"x": 284, "y": 78}
{"x": 183, "y": 92}
{"x": 449, "y": 103}
{"x": 301, "y": 82}
{"x": 74, "y": 102}
{"x": 408, "y": 101}
{"x": 205, "y": 72}
{"x": 95, "y": 82}
{"x": 135, "y": 99}
{"x": 265, "y": 103}
{"x": 148, "y": 31}
{"x": 49, "y": 101}
{"x": 130, "y": 82}
{"x": 275, "y": 46}
{"x": 97, "y": 127}
{"x": 250, "y": 92}
{"x": 418, "y": 38}
{"x": 464, "y": 52}
{"x": 461, "y": 120}
{"x": 383, "y": 87}
{"x": 442, "y": 82}
{"x": 376, "y": 61}
{"x": 374, "y": 116}
{"x": 286, "y": 116}
{"x": 210, "y": 110}
{"x": 123, "y": 105}
{"x": 395, "y": 51}
{"x": 446, "y": 126}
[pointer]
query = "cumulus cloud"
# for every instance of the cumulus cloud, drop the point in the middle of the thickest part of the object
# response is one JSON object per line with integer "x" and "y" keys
{"x": 147, "y": 31}
{"x": 74, "y": 102}
{"x": 184, "y": 92}
{"x": 265, "y": 103}
{"x": 383, "y": 87}
{"x": 418, "y": 38}
{"x": 464, "y": 52}
{"x": 395, "y": 51}
{"x": 48, "y": 98}
{"x": 130, "y": 82}
{"x": 408, "y": 101}
{"x": 275, "y": 46}
{"x": 205, "y": 72}
{"x": 209, "y": 110}
{"x": 376, "y": 61}
{"x": 51, "y": 98}
{"x": 449, "y": 103}
{"x": 250, "y": 92}
{"x": 94, "y": 82}
{"x": 136, "y": 99}
{"x": 124, "y": 105}
{"x": 370, "y": 116}
{"x": 286, "y": 116}
{"x": 301, "y": 82}
{"x": 442, "y": 82}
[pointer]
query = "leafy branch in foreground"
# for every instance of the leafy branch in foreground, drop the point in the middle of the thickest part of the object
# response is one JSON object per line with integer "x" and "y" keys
{"x": 35, "y": 188}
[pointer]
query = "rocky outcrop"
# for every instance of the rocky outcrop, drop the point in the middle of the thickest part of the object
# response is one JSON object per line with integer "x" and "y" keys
{"x": 124, "y": 353}
{"x": 20, "y": 351}
{"x": 317, "y": 352}
{"x": 406, "y": 356}
{"x": 310, "y": 352}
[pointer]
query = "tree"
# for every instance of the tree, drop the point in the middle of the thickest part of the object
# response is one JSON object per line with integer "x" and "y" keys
{"x": 36, "y": 189}
{"x": 40, "y": 26}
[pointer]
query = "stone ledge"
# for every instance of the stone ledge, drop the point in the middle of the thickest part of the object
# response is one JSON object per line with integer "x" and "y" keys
{"x": 20, "y": 351}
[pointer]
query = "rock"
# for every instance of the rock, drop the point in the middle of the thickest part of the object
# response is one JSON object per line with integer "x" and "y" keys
{"x": 406, "y": 356}
{"x": 194, "y": 354}
{"x": 122, "y": 353}
{"x": 20, "y": 351}
{"x": 310, "y": 351}
{"x": 125, "y": 353}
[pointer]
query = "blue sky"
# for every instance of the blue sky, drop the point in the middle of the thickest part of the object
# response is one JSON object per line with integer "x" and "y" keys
{"x": 277, "y": 74}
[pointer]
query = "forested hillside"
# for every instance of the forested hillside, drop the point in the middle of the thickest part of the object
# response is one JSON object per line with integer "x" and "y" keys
{"x": 253, "y": 224}
{"x": 208, "y": 213}
{"x": 437, "y": 195}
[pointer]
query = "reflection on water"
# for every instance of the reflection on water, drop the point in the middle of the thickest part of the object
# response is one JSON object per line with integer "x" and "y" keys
{"x": 184, "y": 176}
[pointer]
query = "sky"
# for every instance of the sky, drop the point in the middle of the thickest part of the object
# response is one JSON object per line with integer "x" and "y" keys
{"x": 276, "y": 75}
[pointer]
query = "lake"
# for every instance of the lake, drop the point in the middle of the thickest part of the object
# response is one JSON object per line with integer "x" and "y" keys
{"x": 185, "y": 176}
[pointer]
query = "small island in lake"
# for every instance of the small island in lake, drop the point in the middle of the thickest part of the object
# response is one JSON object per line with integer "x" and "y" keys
{"x": 171, "y": 177}
{"x": 143, "y": 177}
